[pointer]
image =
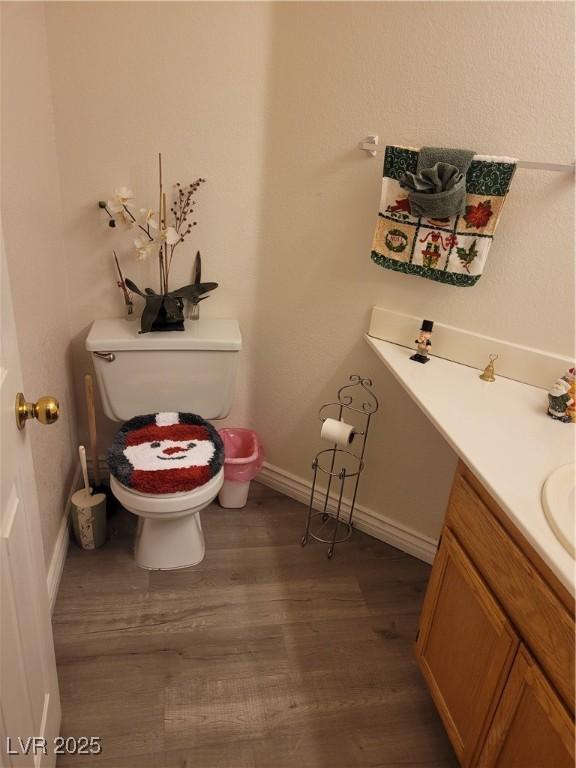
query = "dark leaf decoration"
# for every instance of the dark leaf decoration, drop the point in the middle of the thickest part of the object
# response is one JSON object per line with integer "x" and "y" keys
{"x": 150, "y": 313}
{"x": 197, "y": 269}
{"x": 172, "y": 307}
{"x": 133, "y": 287}
{"x": 193, "y": 292}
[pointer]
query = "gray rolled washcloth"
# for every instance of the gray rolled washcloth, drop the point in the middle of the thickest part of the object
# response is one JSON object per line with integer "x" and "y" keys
{"x": 429, "y": 156}
{"x": 438, "y": 188}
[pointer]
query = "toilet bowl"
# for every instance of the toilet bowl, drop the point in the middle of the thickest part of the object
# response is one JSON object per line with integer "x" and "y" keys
{"x": 169, "y": 533}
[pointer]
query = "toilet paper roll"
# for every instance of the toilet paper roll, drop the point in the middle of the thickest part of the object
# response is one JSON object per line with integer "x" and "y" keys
{"x": 338, "y": 432}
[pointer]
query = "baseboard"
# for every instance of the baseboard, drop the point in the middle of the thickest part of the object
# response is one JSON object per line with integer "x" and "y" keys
{"x": 61, "y": 546}
{"x": 367, "y": 520}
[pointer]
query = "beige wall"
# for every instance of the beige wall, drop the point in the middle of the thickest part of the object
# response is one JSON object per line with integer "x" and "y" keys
{"x": 36, "y": 250}
{"x": 189, "y": 79}
{"x": 495, "y": 77}
{"x": 268, "y": 102}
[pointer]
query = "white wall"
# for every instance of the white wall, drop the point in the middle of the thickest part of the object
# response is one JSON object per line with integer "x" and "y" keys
{"x": 36, "y": 251}
{"x": 268, "y": 101}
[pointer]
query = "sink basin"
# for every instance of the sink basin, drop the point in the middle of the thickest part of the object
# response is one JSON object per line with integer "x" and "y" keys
{"x": 559, "y": 500}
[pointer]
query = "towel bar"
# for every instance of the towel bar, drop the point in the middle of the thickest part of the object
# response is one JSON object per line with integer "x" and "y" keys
{"x": 370, "y": 145}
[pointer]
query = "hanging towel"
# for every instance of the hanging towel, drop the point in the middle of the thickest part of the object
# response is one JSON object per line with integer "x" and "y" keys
{"x": 451, "y": 249}
{"x": 438, "y": 188}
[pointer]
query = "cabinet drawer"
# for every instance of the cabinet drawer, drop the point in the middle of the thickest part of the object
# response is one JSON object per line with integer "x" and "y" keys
{"x": 535, "y": 610}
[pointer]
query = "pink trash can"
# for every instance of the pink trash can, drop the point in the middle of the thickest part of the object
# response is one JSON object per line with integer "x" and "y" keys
{"x": 243, "y": 459}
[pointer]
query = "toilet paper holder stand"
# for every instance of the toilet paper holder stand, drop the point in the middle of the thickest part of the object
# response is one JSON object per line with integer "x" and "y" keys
{"x": 329, "y": 518}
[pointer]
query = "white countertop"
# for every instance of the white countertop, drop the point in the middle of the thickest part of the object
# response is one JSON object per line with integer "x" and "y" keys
{"x": 501, "y": 431}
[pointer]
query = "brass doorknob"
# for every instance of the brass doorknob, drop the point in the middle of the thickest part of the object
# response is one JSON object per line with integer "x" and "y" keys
{"x": 46, "y": 410}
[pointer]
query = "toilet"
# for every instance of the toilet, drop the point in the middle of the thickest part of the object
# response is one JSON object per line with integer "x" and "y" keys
{"x": 152, "y": 383}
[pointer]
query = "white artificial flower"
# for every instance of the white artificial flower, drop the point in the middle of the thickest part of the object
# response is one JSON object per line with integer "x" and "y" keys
{"x": 167, "y": 235}
{"x": 148, "y": 218}
{"x": 170, "y": 235}
{"x": 144, "y": 247}
{"x": 122, "y": 197}
{"x": 125, "y": 218}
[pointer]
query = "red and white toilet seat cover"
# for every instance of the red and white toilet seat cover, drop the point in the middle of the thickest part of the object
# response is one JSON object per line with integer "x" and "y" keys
{"x": 166, "y": 453}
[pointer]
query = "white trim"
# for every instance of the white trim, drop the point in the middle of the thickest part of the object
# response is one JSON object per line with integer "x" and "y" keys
{"x": 61, "y": 546}
{"x": 367, "y": 520}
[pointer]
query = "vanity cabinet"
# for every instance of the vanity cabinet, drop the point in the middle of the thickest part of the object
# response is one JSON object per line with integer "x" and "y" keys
{"x": 496, "y": 640}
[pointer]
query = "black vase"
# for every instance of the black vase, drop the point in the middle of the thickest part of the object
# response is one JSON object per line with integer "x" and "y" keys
{"x": 169, "y": 318}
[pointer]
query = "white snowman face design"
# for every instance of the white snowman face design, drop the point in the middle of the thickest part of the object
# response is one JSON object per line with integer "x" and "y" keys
{"x": 170, "y": 454}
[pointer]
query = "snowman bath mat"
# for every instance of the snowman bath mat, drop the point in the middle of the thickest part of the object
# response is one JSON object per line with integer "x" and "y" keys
{"x": 166, "y": 453}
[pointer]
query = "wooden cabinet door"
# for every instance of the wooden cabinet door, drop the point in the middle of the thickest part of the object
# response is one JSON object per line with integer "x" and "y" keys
{"x": 465, "y": 648}
{"x": 531, "y": 728}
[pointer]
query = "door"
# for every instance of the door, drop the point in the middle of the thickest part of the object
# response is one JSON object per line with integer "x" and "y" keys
{"x": 29, "y": 698}
{"x": 465, "y": 647}
{"x": 531, "y": 728}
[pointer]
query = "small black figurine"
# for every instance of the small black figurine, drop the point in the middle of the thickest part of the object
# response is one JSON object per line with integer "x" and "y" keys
{"x": 423, "y": 342}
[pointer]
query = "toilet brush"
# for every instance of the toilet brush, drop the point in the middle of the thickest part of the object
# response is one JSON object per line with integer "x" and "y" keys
{"x": 88, "y": 511}
{"x": 98, "y": 486}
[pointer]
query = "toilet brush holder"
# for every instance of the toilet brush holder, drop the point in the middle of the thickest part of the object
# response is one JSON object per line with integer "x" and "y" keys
{"x": 329, "y": 518}
{"x": 88, "y": 511}
{"x": 89, "y": 519}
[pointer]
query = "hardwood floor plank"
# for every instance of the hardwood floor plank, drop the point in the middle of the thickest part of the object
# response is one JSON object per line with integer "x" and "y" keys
{"x": 266, "y": 655}
{"x": 228, "y": 710}
{"x": 208, "y": 646}
{"x": 120, "y": 699}
{"x": 189, "y": 609}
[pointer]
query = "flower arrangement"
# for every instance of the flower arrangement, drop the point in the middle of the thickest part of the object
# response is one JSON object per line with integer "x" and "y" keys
{"x": 163, "y": 310}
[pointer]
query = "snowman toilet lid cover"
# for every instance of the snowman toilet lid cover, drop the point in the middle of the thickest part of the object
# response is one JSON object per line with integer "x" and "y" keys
{"x": 166, "y": 453}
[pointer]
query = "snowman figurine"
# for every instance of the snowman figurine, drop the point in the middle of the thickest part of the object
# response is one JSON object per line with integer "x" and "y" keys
{"x": 570, "y": 377}
{"x": 559, "y": 401}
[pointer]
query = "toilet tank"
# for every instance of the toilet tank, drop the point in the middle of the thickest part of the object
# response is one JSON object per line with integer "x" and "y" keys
{"x": 192, "y": 370}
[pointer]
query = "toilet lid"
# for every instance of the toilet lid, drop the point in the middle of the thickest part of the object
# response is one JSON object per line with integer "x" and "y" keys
{"x": 166, "y": 453}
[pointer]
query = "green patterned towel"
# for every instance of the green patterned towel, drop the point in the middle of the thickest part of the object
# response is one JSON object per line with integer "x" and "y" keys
{"x": 452, "y": 250}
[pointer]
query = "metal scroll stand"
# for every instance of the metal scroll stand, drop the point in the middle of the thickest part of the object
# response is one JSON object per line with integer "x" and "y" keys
{"x": 356, "y": 397}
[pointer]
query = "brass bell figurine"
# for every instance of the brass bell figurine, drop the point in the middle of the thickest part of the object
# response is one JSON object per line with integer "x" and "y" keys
{"x": 488, "y": 373}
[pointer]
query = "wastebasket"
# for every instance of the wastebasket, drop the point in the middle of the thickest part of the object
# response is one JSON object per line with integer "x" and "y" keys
{"x": 243, "y": 459}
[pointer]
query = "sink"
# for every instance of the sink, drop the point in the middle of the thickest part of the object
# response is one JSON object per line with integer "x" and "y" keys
{"x": 559, "y": 501}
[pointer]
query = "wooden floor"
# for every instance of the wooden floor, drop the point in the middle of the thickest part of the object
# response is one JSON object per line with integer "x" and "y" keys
{"x": 266, "y": 655}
